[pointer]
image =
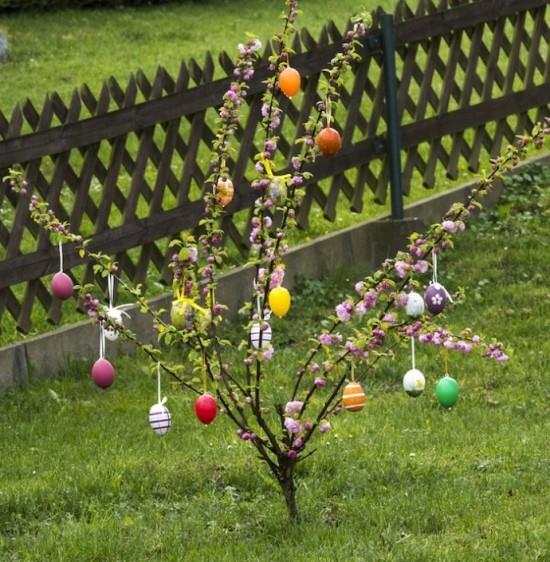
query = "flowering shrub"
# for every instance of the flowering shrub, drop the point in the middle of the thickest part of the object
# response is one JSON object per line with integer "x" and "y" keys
{"x": 383, "y": 314}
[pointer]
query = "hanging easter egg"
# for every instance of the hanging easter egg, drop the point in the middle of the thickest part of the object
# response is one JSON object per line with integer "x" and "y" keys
{"x": 103, "y": 373}
{"x": 446, "y": 391}
{"x": 414, "y": 382}
{"x": 160, "y": 419}
{"x": 415, "y": 304}
{"x": 277, "y": 190}
{"x": 206, "y": 408}
{"x": 264, "y": 330}
{"x": 435, "y": 298}
{"x": 224, "y": 191}
{"x": 62, "y": 286}
{"x": 329, "y": 141}
{"x": 279, "y": 301}
{"x": 181, "y": 315}
{"x": 289, "y": 81}
{"x": 353, "y": 398}
{"x": 115, "y": 316}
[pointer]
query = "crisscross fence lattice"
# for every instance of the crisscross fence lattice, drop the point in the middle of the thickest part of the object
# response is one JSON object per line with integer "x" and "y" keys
{"x": 127, "y": 165}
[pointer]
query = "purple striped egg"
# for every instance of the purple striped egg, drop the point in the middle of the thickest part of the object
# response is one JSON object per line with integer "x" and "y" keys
{"x": 160, "y": 419}
{"x": 435, "y": 298}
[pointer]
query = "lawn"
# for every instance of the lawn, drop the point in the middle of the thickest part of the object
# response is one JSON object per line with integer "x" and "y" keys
{"x": 84, "y": 478}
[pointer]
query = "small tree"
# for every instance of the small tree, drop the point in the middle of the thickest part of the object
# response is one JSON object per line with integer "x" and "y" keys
{"x": 385, "y": 312}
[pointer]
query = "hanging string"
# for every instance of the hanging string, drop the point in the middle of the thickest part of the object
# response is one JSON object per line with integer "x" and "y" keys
{"x": 101, "y": 341}
{"x": 60, "y": 256}
{"x": 446, "y": 361}
{"x": 329, "y": 110}
{"x": 352, "y": 371}
{"x": 434, "y": 263}
{"x": 111, "y": 289}
{"x": 158, "y": 382}
{"x": 413, "y": 355}
{"x": 258, "y": 304}
{"x": 204, "y": 378}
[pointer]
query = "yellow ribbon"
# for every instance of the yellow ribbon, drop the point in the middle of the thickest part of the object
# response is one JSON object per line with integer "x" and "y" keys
{"x": 269, "y": 171}
{"x": 188, "y": 301}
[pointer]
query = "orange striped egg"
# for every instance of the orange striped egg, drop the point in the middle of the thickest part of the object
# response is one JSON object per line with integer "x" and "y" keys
{"x": 353, "y": 398}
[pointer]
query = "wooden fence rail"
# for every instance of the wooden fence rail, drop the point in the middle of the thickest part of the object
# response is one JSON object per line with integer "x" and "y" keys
{"x": 127, "y": 166}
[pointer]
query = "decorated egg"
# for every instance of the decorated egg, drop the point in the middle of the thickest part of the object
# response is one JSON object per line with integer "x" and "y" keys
{"x": 329, "y": 141}
{"x": 353, "y": 398}
{"x": 289, "y": 81}
{"x": 206, "y": 408}
{"x": 181, "y": 315}
{"x": 277, "y": 190}
{"x": 414, "y": 382}
{"x": 446, "y": 391}
{"x": 435, "y": 298}
{"x": 224, "y": 191}
{"x": 103, "y": 373}
{"x": 160, "y": 419}
{"x": 115, "y": 316}
{"x": 415, "y": 304}
{"x": 62, "y": 286}
{"x": 255, "y": 332}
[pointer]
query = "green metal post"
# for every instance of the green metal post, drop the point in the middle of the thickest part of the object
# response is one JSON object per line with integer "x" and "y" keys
{"x": 392, "y": 116}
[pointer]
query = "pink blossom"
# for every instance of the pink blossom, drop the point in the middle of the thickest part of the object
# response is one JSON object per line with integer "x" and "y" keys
{"x": 320, "y": 382}
{"x": 388, "y": 318}
{"x": 343, "y": 311}
{"x": 277, "y": 277}
{"x": 421, "y": 266}
{"x": 449, "y": 226}
{"x": 292, "y": 425}
{"x": 268, "y": 353}
{"x": 402, "y": 300}
{"x": 293, "y": 407}
{"x": 360, "y": 309}
{"x": 370, "y": 299}
{"x": 291, "y": 454}
{"x": 401, "y": 268}
{"x": 324, "y": 426}
{"x": 360, "y": 288}
{"x": 325, "y": 339}
{"x": 476, "y": 339}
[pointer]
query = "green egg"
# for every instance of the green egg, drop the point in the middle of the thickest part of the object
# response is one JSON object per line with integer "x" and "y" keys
{"x": 446, "y": 391}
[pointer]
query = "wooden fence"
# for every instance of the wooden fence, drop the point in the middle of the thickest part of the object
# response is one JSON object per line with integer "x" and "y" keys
{"x": 126, "y": 165}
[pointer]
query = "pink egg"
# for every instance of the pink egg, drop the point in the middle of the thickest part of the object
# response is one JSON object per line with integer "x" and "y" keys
{"x": 103, "y": 373}
{"x": 62, "y": 286}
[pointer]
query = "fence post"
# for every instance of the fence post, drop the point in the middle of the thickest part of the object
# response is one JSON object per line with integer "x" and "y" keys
{"x": 392, "y": 117}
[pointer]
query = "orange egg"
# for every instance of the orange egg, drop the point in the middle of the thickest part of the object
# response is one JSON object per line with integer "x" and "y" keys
{"x": 329, "y": 141}
{"x": 224, "y": 191}
{"x": 289, "y": 81}
{"x": 353, "y": 398}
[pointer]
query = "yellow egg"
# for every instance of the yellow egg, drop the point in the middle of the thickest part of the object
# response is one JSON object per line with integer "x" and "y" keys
{"x": 353, "y": 398}
{"x": 279, "y": 301}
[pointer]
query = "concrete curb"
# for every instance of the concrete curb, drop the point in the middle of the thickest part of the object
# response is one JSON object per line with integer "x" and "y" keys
{"x": 362, "y": 246}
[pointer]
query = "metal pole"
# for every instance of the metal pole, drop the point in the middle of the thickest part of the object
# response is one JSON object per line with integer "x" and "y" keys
{"x": 392, "y": 117}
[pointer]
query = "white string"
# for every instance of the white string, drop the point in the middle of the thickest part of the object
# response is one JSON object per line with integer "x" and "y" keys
{"x": 258, "y": 305}
{"x": 60, "y": 256}
{"x": 158, "y": 382}
{"x": 101, "y": 341}
{"x": 111, "y": 288}
{"x": 434, "y": 262}
{"x": 412, "y": 353}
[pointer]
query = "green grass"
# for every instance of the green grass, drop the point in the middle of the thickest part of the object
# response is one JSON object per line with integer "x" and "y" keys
{"x": 83, "y": 478}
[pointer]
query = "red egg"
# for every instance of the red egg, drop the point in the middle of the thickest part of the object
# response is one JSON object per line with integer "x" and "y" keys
{"x": 103, "y": 373}
{"x": 329, "y": 141}
{"x": 206, "y": 408}
{"x": 62, "y": 286}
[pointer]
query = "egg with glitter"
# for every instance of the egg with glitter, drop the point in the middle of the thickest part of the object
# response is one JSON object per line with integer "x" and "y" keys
{"x": 115, "y": 316}
{"x": 62, "y": 286}
{"x": 206, "y": 408}
{"x": 414, "y": 382}
{"x": 181, "y": 315}
{"x": 353, "y": 397}
{"x": 264, "y": 330}
{"x": 160, "y": 419}
{"x": 279, "y": 301}
{"x": 435, "y": 298}
{"x": 103, "y": 373}
{"x": 446, "y": 391}
{"x": 277, "y": 190}
{"x": 224, "y": 191}
{"x": 415, "y": 304}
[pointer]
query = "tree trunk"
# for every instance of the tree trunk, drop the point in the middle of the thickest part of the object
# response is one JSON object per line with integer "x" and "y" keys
{"x": 289, "y": 489}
